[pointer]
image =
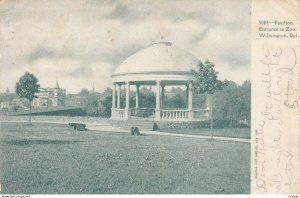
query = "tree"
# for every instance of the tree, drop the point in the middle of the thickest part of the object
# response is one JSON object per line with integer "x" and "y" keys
{"x": 175, "y": 101}
{"x": 147, "y": 98}
{"x": 27, "y": 87}
{"x": 83, "y": 96}
{"x": 233, "y": 103}
{"x": 106, "y": 103}
{"x": 7, "y": 98}
{"x": 92, "y": 104}
{"x": 206, "y": 81}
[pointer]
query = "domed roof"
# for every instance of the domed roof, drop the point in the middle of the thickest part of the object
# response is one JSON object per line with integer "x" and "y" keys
{"x": 160, "y": 57}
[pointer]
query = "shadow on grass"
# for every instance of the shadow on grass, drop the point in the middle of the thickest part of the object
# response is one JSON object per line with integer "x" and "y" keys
{"x": 26, "y": 142}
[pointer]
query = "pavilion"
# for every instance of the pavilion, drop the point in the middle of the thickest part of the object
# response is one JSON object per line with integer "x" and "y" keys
{"x": 158, "y": 65}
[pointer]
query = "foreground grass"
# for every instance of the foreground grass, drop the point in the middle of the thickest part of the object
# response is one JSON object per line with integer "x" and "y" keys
{"x": 52, "y": 158}
{"x": 227, "y": 132}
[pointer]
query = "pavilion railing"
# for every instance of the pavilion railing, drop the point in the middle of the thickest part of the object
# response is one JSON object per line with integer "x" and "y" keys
{"x": 165, "y": 114}
{"x": 118, "y": 113}
{"x": 174, "y": 115}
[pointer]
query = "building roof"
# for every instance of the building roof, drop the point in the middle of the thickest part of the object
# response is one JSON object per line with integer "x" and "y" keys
{"x": 160, "y": 57}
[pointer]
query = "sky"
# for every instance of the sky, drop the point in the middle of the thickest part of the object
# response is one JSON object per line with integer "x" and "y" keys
{"x": 81, "y": 42}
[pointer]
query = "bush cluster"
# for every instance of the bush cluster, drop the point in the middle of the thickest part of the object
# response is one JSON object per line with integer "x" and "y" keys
{"x": 217, "y": 123}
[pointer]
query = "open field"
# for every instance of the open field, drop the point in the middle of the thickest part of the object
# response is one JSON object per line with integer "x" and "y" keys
{"x": 52, "y": 158}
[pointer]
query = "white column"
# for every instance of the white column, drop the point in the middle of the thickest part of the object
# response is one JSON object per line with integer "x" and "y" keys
{"x": 119, "y": 96}
{"x": 162, "y": 95}
{"x": 113, "y": 96}
{"x": 187, "y": 96}
{"x": 137, "y": 93}
{"x": 190, "y": 101}
{"x": 157, "y": 108}
{"x": 127, "y": 107}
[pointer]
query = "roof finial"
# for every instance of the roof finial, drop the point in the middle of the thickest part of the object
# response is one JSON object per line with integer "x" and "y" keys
{"x": 163, "y": 41}
{"x": 57, "y": 85}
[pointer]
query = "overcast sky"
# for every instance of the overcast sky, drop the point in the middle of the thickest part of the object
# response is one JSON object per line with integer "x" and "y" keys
{"x": 78, "y": 42}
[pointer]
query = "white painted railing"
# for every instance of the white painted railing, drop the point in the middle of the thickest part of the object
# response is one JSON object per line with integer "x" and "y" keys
{"x": 174, "y": 115}
{"x": 165, "y": 114}
{"x": 185, "y": 115}
{"x": 118, "y": 113}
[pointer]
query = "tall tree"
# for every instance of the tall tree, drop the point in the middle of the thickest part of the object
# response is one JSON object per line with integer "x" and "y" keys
{"x": 83, "y": 96}
{"x": 233, "y": 103}
{"x": 206, "y": 81}
{"x": 7, "y": 98}
{"x": 27, "y": 87}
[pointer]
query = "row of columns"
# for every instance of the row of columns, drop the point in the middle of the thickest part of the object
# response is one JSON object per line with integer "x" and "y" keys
{"x": 127, "y": 96}
{"x": 158, "y": 98}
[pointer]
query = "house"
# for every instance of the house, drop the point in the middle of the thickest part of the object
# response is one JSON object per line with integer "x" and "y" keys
{"x": 50, "y": 97}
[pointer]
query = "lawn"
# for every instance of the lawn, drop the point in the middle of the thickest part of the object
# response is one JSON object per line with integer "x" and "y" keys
{"x": 227, "y": 132}
{"x": 52, "y": 158}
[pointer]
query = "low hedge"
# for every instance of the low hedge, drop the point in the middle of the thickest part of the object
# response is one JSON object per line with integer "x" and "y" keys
{"x": 217, "y": 123}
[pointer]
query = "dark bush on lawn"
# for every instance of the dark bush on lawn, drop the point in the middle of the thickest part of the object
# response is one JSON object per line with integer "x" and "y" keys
{"x": 135, "y": 131}
{"x": 217, "y": 123}
{"x": 155, "y": 127}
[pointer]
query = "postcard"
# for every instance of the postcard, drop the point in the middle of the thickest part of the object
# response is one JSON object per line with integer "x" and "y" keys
{"x": 144, "y": 97}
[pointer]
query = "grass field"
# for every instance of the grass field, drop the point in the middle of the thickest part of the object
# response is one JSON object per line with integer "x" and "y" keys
{"x": 52, "y": 158}
{"x": 227, "y": 132}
